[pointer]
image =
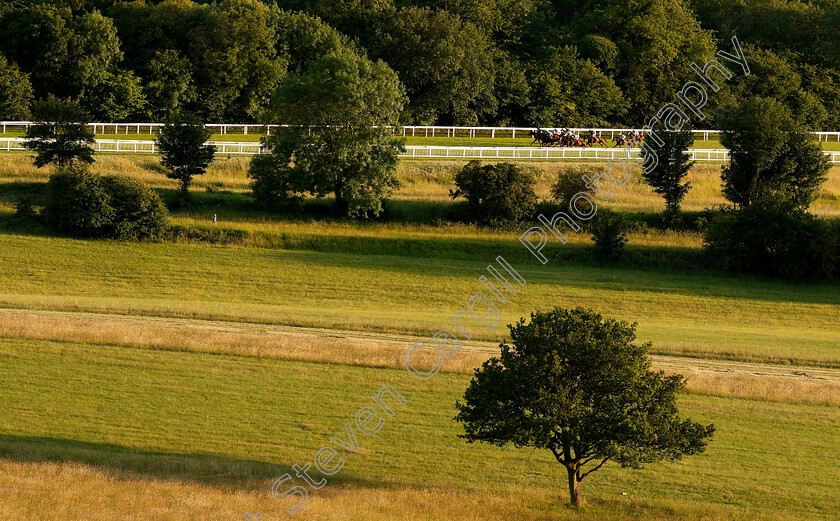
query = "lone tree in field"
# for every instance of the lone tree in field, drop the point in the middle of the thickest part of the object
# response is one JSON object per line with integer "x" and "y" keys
{"x": 576, "y": 384}
{"x": 770, "y": 154}
{"x": 338, "y": 141}
{"x": 671, "y": 168}
{"x": 183, "y": 150}
{"x": 59, "y": 135}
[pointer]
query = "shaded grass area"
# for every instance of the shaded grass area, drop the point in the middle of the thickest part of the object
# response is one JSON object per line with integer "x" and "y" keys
{"x": 233, "y": 422}
{"x": 680, "y": 312}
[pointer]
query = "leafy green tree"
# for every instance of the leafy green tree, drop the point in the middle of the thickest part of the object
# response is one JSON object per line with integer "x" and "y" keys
{"x": 496, "y": 193}
{"x": 15, "y": 92}
{"x": 116, "y": 97}
{"x": 305, "y": 38}
{"x": 338, "y": 140}
{"x": 183, "y": 149}
{"x": 569, "y": 91}
{"x": 59, "y": 134}
{"x": 770, "y": 153}
{"x": 169, "y": 84}
{"x": 63, "y": 53}
{"x": 657, "y": 40}
{"x": 577, "y": 385}
{"x": 445, "y": 64}
{"x": 236, "y": 64}
{"x": 673, "y": 164}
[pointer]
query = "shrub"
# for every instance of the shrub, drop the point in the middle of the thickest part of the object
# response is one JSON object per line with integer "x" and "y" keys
{"x": 570, "y": 183}
{"x": 25, "y": 208}
{"x": 139, "y": 212}
{"x": 609, "y": 233}
{"x": 274, "y": 184}
{"x": 85, "y": 204}
{"x": 772, "y": 237}
{"x": 77, "y": 203}
{"x": 496, "y": 193}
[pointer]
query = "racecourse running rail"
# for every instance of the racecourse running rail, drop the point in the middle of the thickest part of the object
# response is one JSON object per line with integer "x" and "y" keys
{"x": 411, "y": 130}
{"x": 423, "y": 152}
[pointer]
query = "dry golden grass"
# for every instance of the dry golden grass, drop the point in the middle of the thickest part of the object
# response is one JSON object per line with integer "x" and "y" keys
{"x": 77, "y": 492}
{"x": 420, "y": 179}
{"x": 715, "y": 378}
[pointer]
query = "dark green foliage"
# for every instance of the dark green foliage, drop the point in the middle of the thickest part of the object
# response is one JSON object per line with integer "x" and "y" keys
{"x": 139, "y": 212}
{"x": 774, "y": 238}
{"x": 183, "y": 150}
{"x": 85, "y": 204}
{"x": 576, "y": 384}
{"x": 770, "y": 154}
{"x": 59, "y": 134}
{"x": 276, "y": 184}
{"x": 445, "y": 64}
{"x": 522, "y": 62}
{"x": 15, "y": 92}
{"x": 338, "y": 142}
{"x": 77, "y": 202}
{"x": 25, "y": 208}
{"x": 496, "y": 193}
{"x": 609, "y": 233}
{"x": 116, "y": 97}
{"x": 671, "y": 167}
{"x": 573, "y": 91}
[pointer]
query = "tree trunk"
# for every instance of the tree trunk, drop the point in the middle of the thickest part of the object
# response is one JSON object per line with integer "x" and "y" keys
{"x": 340, "y": 203}
{"x": 574, "y": 488}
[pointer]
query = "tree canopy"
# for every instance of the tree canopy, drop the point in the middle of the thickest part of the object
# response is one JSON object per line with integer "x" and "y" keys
{"x": 770, "y": 153}
{"x": 339, "y": 138}
{"x": 575, "y": 384}
{"x": 486, "y": 62}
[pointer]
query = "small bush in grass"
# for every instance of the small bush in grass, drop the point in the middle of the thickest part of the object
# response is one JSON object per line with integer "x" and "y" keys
{"x": 85, "y": 204}
{"x": 25, "y": 208}
{"x": 570, "y": 182}
{"x": 609, "y": 233}
{"x": 497, "y": 193}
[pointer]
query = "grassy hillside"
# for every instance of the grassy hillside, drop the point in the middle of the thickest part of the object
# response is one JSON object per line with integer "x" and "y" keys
{"x": 223, "y": 427}
{"x": 177, "y": 379}
{"x": 681, "y": 313}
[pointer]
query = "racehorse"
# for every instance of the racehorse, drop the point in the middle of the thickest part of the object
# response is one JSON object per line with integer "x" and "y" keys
{"x": 631, "y": 140}
{"x": 592, "y": 140}
{"x": 569, "y": 141}
{"x": 544, "y": 138}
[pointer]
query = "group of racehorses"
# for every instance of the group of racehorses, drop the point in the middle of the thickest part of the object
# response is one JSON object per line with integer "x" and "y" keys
{"x": 568, "y": 139}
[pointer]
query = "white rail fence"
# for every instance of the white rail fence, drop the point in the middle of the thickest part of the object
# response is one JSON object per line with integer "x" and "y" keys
{"x": 408, "y": 131}
{"x": 428, "y": 152}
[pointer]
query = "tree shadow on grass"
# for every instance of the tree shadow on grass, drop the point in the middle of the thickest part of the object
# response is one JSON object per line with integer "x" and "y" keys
{"x": 127, "y": 463}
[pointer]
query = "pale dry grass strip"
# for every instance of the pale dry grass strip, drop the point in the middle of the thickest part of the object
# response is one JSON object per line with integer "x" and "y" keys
{"x": 787, "y": 384}
{"x": 72, "y": 491}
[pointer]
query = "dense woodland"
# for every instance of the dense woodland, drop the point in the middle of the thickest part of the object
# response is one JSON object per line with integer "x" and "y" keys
{"x": 489, "y": 62}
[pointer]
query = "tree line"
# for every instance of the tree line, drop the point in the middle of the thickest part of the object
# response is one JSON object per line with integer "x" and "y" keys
{"x": 489, "y": 62}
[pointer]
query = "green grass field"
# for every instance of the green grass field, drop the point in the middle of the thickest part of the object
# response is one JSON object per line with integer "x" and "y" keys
{"x": 177, "y": 379}
{"x": 236, "y": 423}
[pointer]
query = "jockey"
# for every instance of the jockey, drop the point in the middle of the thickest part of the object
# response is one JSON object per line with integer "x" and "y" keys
{"x": 623, "y": 137}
